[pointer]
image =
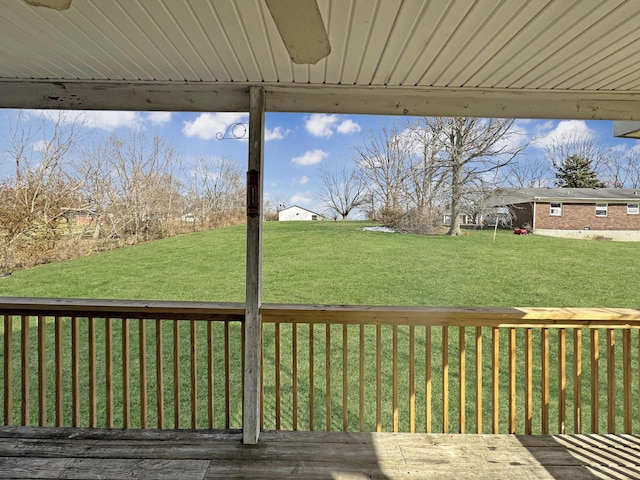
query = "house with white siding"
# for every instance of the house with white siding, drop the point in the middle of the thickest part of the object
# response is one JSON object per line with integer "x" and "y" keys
{"x": 298, "y": 213}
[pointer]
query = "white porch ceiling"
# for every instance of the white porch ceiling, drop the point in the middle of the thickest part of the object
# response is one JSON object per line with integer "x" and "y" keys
{"x": 517, "y": 58}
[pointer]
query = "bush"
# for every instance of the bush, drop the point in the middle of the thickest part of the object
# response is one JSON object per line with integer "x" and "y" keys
{"x": 421, "y": 221}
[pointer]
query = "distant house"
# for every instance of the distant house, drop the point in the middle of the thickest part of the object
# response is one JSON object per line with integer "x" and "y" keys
{"x": 612, "y": 213}
{"x": 188, "y": 218}
{"x": 465, "y": 219}
{"x": 297, "y": 213}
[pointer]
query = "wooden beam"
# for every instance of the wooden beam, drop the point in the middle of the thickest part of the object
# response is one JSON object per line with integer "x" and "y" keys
{"x": 253, "y": 321}
{"x": 347, "y": 99}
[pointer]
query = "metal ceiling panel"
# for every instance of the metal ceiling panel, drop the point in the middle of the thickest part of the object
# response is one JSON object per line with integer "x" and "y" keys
{"x": 542, "y": 46}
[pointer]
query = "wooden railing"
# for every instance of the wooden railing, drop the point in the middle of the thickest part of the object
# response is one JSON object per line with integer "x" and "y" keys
{"x": 357, "y": 368}
{"x": 507, "y": 370}
{"x": 121, "y": 364}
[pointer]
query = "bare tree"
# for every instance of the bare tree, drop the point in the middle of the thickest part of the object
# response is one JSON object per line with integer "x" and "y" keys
{"x": 342, "y": 190}
{"x": 217, "y": 192}
{"x": 471, "y": 149}
{"x": 528, "y": 173}
{"x": 621, "y": 168}
{"x": 383, "y": 160}
{"x": 42, "y": 194}
{"x": 142, "y": 192}
{"x": 576, "y": 144}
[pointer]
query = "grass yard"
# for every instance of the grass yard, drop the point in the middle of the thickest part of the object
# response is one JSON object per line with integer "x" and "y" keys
{"x": 337, "y": 263}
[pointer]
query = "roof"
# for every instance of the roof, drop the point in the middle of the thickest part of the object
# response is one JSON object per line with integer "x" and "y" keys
{"x": 516, "y": 58}
{"x": 301, "y": 208}
{"x": 509, "y": 196}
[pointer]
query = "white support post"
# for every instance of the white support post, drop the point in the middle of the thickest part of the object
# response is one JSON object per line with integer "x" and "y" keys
{"x": 253, "y": 321}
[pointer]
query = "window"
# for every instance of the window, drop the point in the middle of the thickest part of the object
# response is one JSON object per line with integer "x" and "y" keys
{"x": 555, "y": 210}
{"x": 633, "y": 208}
{"x": 602, "y": 209}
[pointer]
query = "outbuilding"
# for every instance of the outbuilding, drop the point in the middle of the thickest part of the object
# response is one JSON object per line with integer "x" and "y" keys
{"x": 297, "y": 213}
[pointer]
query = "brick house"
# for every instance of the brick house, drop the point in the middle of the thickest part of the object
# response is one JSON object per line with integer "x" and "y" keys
{"x": 612, "y": 213}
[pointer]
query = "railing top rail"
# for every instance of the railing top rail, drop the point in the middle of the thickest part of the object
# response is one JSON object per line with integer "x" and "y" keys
{"x": 146, "y": 309}
{"x": 553, "y": 317}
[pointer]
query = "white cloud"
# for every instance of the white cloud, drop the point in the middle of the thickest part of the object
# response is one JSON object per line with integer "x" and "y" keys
{"x": 310, "y": 157}
{"x": 94, "y": 118}
{"x": 302, "y": 180}
{"x": 301, "y": 198}
{"x": 208, "y": 125}
{"x": 348, "y": 126}
{"x": 277, "y": 133}
{"x": 321, "y": 125}
{"x": 567, "y": 131}
{"x": 159, "y": 118}
{"x": 39, "y": 146}
{"x": 324, "y": 126}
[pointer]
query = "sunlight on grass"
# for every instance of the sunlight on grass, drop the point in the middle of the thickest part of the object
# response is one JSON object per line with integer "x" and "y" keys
{"x": 327, "y": 262}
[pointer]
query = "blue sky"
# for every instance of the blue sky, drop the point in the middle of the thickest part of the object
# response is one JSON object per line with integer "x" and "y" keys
{"x": 297, "y": 145}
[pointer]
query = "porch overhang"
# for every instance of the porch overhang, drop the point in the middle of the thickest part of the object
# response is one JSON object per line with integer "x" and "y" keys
{"x": 517, "y": 59}
{"x": 296, "y": 98}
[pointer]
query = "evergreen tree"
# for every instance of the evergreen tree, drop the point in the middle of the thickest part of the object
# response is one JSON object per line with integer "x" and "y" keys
{"x": 576, "y": 172}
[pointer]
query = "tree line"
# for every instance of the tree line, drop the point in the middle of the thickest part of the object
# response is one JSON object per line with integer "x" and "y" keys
{"x": 62, "y": 187}
{"x": 409, "y": 176}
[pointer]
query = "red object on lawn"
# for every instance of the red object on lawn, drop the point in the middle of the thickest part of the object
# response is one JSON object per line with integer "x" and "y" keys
{"x": 520, "y": 231}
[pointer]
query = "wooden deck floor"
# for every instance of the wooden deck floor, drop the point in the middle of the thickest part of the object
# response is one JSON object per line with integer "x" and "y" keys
{"x": 133, "y": 454}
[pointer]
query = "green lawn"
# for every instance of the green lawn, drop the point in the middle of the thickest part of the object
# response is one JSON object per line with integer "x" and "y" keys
{"x": 337, "y": 263}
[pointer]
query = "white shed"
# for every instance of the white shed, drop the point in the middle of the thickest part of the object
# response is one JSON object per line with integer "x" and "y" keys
{"x": 297, "y": 213}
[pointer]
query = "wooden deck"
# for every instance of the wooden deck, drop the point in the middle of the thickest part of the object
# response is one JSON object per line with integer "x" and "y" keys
{"x": 29, "y": 452}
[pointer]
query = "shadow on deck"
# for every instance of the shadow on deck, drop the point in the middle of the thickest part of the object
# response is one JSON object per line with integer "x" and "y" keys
{"x": 31, "y": 452}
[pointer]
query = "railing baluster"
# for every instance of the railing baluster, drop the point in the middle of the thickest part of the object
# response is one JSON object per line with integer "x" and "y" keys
{"x": 277, "y": 366}
{"x": 210, "y": 376}
{"x": 427, "y": 382}
{"x": 345, "y": 383}
{"x": 544, "y": 374}
{"x": 327, "y": 356}
{"x": 227, "y": 377}
{"x": 126, "y": 378}
{"x": 160, "y": 374}
{"x": 626, "y": 354}
{"x": 108, "y": 348}
{"x": 412, "y": 379}
{"x": 361, "y": 395}
{"x": 462, "y": 387}
{"x": 42, "y": 372}
{"x": 75, "y": 372}
{"x": 495, "y": 380}
{"x": 261, "y": 375}
{"x": 611, "y": 380}
{"x": 577, "y": 380}
{"x": 512, "y": 380}
{"x": 479, "y": 391}
{"x": 8, "y": 370}
{"x": 93, "y": 410}
{"x": 445, "y": 379}
{"x": 528, "y": 381}
{"x": 294, "y": 374}
{"x": 194, "y": 375}
{"x": 26, "y": 369}
{"x": 595, "y": 379}
{"x": 176, "y": 374}
{"x": 378, "y": 378}
{"x": 394, "y": 349}
{"x": 142, "y": 347}
{"x": 562, "y": 381}
{"x": 311, "y": 377}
